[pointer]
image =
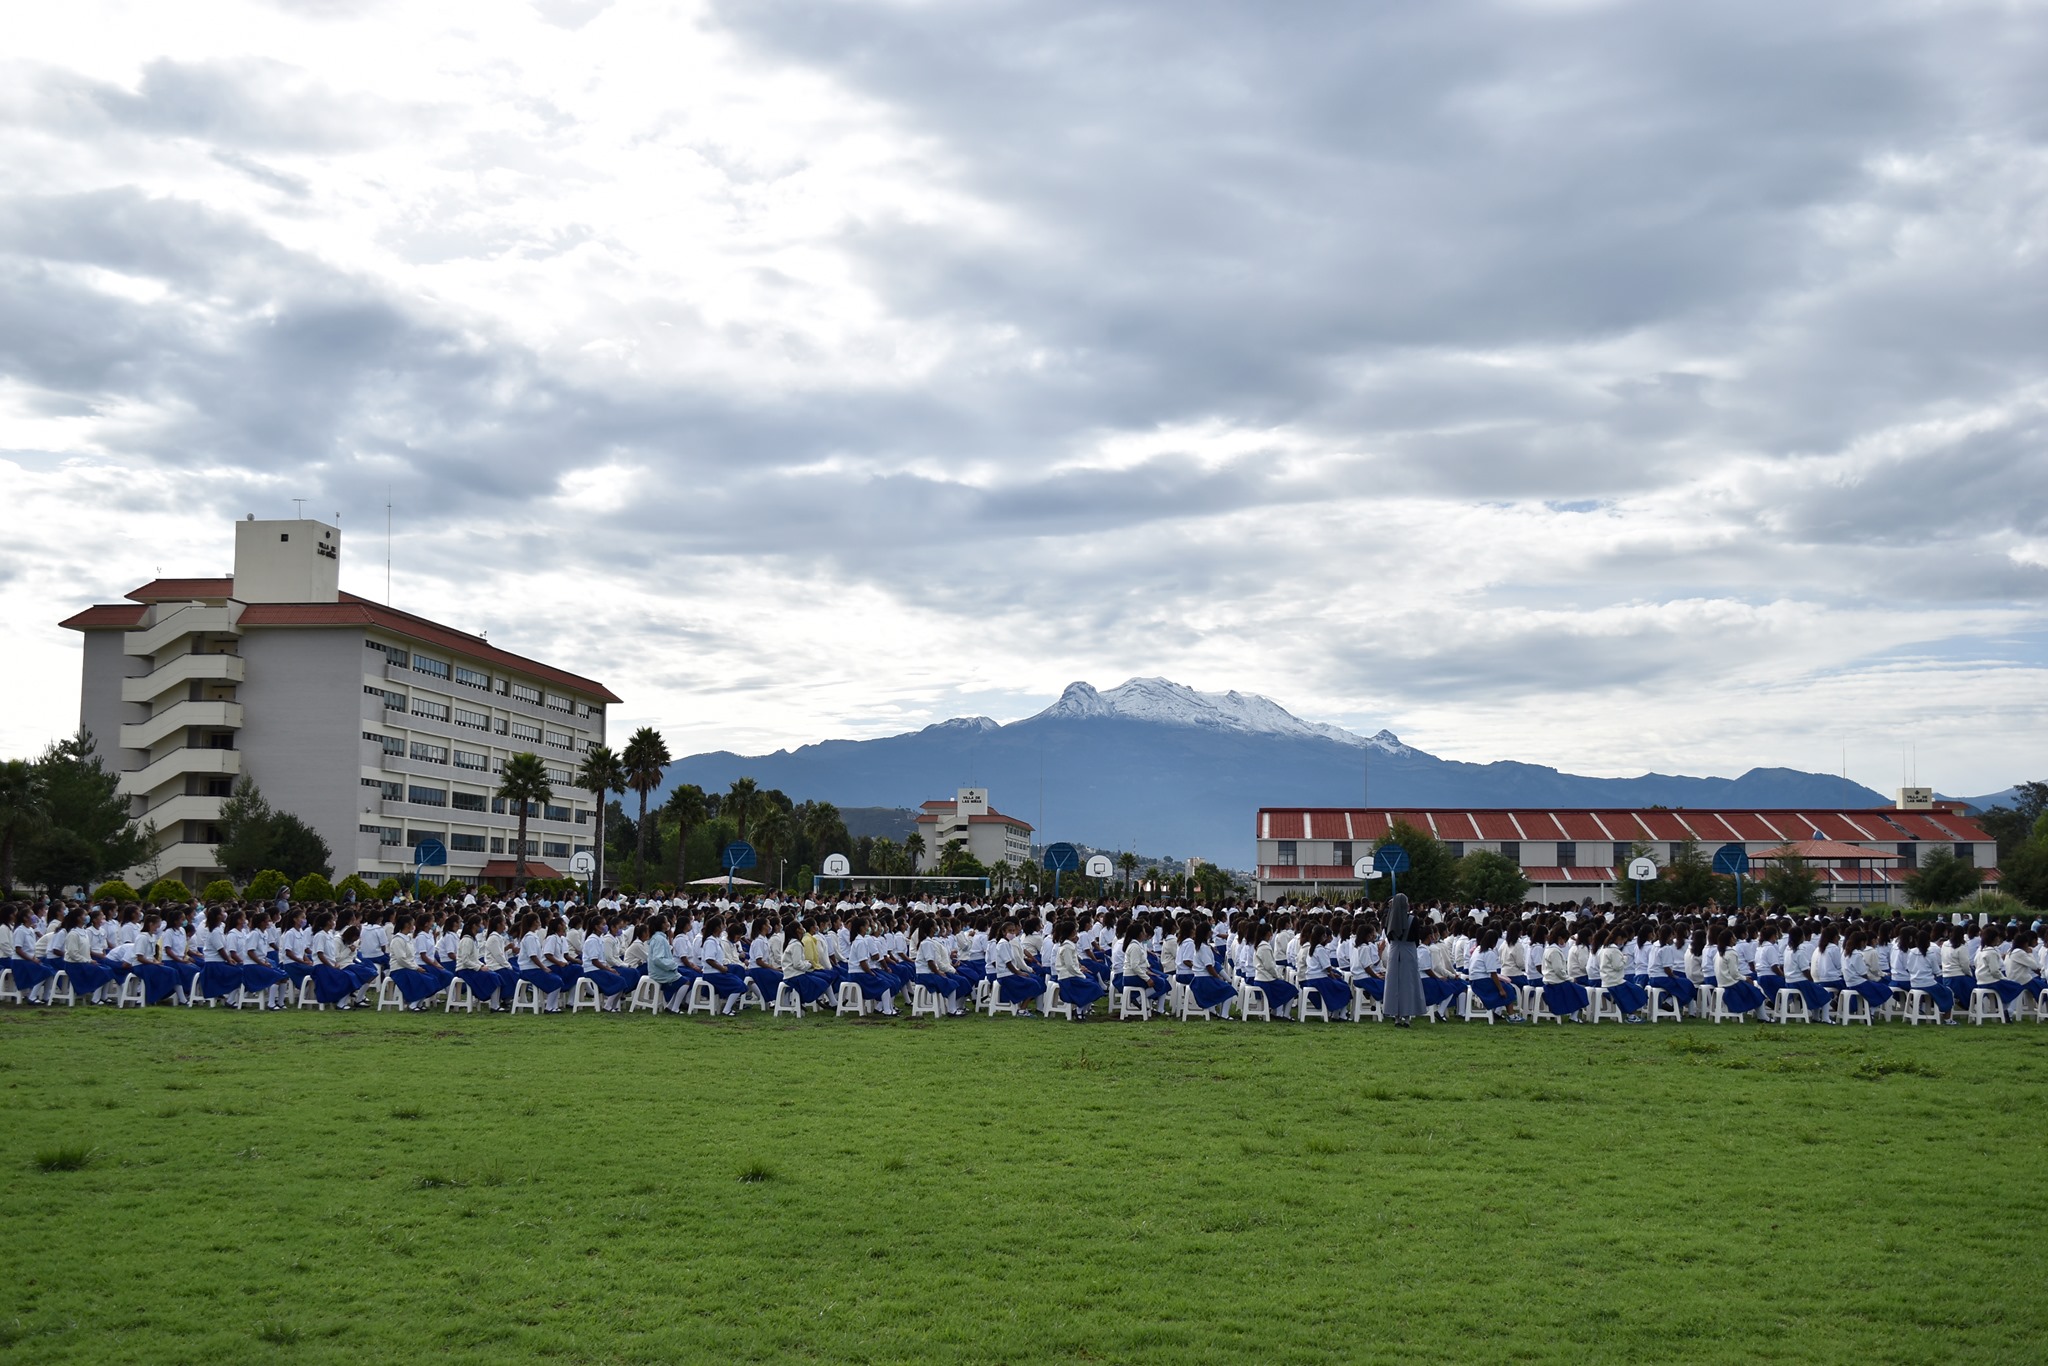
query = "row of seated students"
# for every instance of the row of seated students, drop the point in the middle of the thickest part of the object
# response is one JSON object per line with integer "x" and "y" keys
{"x": 1292, "y": 957}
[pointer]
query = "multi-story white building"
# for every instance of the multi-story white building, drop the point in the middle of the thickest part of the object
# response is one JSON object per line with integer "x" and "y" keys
{"x": 378, "y": 728}
{"x": 989, "y": 835}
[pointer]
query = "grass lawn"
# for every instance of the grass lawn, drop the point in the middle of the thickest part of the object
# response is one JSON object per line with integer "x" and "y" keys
{"x": 361, "y": 1188}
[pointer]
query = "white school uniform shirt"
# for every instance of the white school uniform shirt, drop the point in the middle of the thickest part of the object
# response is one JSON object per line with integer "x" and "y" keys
{"x": 2022, "y": 966}
{"x": 1068, "y": 961}
{"x": 494, "y": 958}
{"x": 1485, "y": 963}
{"x": 531, "y": 947}
{"x": 1728, "y": 969}
{"x": 213, "y": 944}
{"x": 1919, "y": 969}
{"x": 1002, "y": 955}
{"x": 1613, "y": 965}
{"x": 1990, "y": 966}
{"x": 1769, "y": 958}
{"x": 1833, "y": 966}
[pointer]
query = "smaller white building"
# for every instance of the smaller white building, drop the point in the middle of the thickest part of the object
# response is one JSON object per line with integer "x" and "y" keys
{"x": 988, "y": 834}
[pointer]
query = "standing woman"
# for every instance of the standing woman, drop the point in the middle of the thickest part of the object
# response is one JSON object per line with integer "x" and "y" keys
{"x": 1403, "y": 997}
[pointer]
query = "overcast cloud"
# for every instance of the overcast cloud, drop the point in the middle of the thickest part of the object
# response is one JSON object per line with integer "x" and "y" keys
{"x": 1616, "y": 386}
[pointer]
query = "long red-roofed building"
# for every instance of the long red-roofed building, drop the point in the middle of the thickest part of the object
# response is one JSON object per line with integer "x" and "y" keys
{"x": 1865, "y": 854}
{"x": 380, "y": 729}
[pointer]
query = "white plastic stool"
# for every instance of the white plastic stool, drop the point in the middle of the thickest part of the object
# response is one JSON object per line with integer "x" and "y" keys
{"x": 1663, "y": 1006}
{"x": 923, "y": 1001}
{"x": 1133, "y": 1003}
{"x": 527, "y": 996}
{"x": 851, "y": 1000}
{"x": 787, "y": 1002}
{"x": 1851, "y": 1007}
{"x": 583, "y": 996}
{"x": 1791, "y": 1006}
{"x": 460, "y": 997}
{"x": 646, "y": 996}
{"x": 1986, "y": 1004}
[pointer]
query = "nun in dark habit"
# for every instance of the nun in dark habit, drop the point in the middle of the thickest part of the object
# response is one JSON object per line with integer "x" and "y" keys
{"x": 1404, "y": 974}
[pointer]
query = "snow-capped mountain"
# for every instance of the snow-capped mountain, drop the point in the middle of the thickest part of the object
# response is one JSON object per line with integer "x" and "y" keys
{"x": 1168, "y": 703}
{"x": 1151, "y": 764}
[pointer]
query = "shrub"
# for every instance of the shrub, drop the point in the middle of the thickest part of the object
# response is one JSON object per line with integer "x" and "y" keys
{"x": 388, "y": 888}
{"x": 425, "y": 888}
{"x": 266, "y": 885}
{"x": 115, "y": 890}
{"x": 354, "y": 883}
{"x": 166, "y": 889}
{"x": 312, "y": 887}
{"x": 220, "y": 889}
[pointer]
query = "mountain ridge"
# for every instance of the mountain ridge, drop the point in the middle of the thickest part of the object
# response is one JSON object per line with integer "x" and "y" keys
{"x": 1158, "y": 764}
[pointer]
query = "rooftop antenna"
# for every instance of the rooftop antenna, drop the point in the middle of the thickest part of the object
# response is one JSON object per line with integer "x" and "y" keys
{"x": 299, "y": 508}
{"x": 387, "y": 545}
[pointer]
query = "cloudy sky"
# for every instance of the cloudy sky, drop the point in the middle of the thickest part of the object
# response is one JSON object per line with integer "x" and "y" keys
{"x": 1615, "y": 386}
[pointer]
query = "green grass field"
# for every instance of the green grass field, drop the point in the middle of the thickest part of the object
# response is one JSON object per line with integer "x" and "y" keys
{"x": 185, "y": 1186}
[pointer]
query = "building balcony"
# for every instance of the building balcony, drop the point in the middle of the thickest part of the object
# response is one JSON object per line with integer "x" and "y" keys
{"x": 185, "y": 806}
{"x": 169, "y": 623}
{"x": 180, "y": 716}
{"x": 190, "y": 861}
{"x": 179, "y": 672}
{"x": 176, "y": 766}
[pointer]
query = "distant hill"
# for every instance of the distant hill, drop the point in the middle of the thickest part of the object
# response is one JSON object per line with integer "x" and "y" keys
{"x": 1156, "y": 765}
{"x": 874, "y": 822}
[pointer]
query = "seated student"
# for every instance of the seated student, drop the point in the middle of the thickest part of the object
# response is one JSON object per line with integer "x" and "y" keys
{"x": 1798, "y": 977}
{"x": 498, "y": 951}
{"x": 295, "y": 950}
{"x": 1485, "y": 979}
{"x": 160, "y": 981}
{"x": 1442, "y": 981}
{"x": 533, "y": 968}
{"x": 1078, "y": 987}
{"x": 2021, "y": 970}
{"x": 556, "y": 957}
{"x": 935, "y": 970}
{"x": 1207, "y": 984}
{"x": 1952, "y": 957}
{"x": 1739, "y": 994}
{"x": 174, "y": 947}
{"x": 1829, "y": 967}
{"x": 72, "y": 949}
{"x": 484, "y": 983}
{"x": 249, "y": 951}
{"x": 1860, "y": 975}
{"x": 799, "y": 974}
{"x": 218, "y": 978}
{"x": 333, "y": 985}
{"x": 1922, "y": 956}
{"x": 1563, "y": 995}
{"x": 719, "y": 968}
{"x": 662, "y": 968}
{"x": 1989, "y": 964}
{"x": 599, "y": 966}
{"x": 1627, "y": 997}
{"x": 1666, "y": 965}
{"x": 1367, "y": 959}
{"x": 1321, "y": 975}
{"x": 31, "y": 974}
{"x": 762, "y": 962}
{"x": 1015, "y": 981}
{"x": 415, "y": 988}
{"x": 1265, "y": 973}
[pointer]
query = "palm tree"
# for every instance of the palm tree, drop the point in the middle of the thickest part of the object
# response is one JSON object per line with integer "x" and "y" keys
{"x": 601, "y": 773}
{"x": 822, "y": 826}
{"x": 686, "y": 804}
{"x": 914, "y": 846}
{"x": 741, "y": 802}
{"x": 1127, "y": 863}
{"x": 773, "y": 829}
{"x": 524, "y": 783}
{"x": 646, "y": 760}
{"x": 23, "y": 810}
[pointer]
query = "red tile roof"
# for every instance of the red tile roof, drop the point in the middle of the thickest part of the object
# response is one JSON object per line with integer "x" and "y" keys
{"x": 505, "y": 867}
{"x": 181, "y": 590}
{"x": 350, "y": 611}
{"x": 1711, "y": 827}
{"x": 994, "y": 817}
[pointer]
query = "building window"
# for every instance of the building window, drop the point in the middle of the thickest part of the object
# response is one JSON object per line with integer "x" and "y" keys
{"x": 1456, "y": 848}
{"x": 1567, "y": 855}
{"x": 1286, "y": 854}
{"x": 555, "y": 813}
{"x": 471, "y": 678}
{"x": 432, "y": 668}
{"x": 426, "y": 796}
{"x": 1340, "y": 851}
{"x": 391, "y": 653}
{"x": 393, "y": 701}
{"x": 526, "y": 694}
{"x": 467, "y": 844}
{"x": 432, "y": 754}
{"x": 392, "y": 744}
{"x": 467, "y": 759}
{"x": 500, "y": 727}
{"x": 1909, "y": 854}
{"x": 414, "y": 837}
{"x": 471, "y": 801}
{"x": 560, "y": 775}
{"x": 1967, "y": 853}
{"x": 429, "y": 708}
{"x": 1511, "y": 849}
{"x": 1623, "y": 852}
{"x": 390, "y": 792}
{"x": 560, "y": 739}
{"x": 497, "y": 844}
{"x": 551, "y": 849}
{"x": 475, "y": 720}
{"x": 556, "y": 702}
{"x": 498, "y": 807}
{"x": 386, "y": 834}
{"x": 522, "y": 731}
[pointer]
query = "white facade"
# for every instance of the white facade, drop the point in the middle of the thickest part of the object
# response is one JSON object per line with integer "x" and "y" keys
{"x": 378, "y": 728}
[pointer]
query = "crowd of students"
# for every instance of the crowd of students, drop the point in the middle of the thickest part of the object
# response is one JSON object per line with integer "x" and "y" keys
{"x": 1079, "y": 960}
